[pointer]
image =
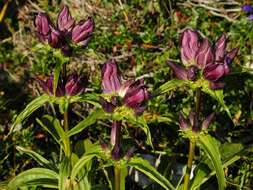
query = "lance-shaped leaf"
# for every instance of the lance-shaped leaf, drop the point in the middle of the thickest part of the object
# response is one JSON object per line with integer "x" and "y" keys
{"x": 37, "y": 157}
{"x": 89, "y": 120}
{"x": 208, "y": 144}
{"x": 171, "y": 85}
{"x": 35, "y": 177}
{"x": 147, "y": 169}
{"x": 30, "y": 108}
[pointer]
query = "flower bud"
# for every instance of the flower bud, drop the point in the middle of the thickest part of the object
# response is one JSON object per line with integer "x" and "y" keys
{"x": 42, "y": 24}
{"x": 65, "y": 22}
{"x": 220, "y": 48}
{"x": 183, "y": 123}
{"x": 111, "y": 81}
{"x": 82, "y": 31}
{"x": 204, "y": 54}
{"x": 207, "y": 121}
{"x": 48, "y": 86}
{"x": 180, "y": 72}
{"x": 214, "y": 72}
{"x": 108, "y": 106}
{"x": 54, "y": 38}
{"x": 189, "y": 42}
{"x": 229, "y": 57}
{"x": 136, "y": 96}
{"x": 74, "y": 85}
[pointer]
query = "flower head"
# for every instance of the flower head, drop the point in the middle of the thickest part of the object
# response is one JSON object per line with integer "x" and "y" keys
{"x": 65, "y": 22}
{"x": 64, "y": 32}
{"x": 72, "y": 87}
{"x": 197, "y": 53}
{"x": 133, "y": 93}
{"x": 82, "y": 31}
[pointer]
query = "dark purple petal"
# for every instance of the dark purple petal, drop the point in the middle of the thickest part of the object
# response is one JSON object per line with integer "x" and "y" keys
{"x": 229, "y": 57}
{"x": 42, "y": 23}
{"x": 82, "y": 31}
{"x": 54, "y": 40}
{"x": 183, "y": 123}
{"x": 204, "y": 54}
{"x": 207, "y": 121}
{"x": 220, "y": 47}
{"x": 192, "y": 117}
{"x": 107, "y": 106}
{"x": 216, "y": 85}
{"x": 65, "y": 22}
{"x": 192, "y": 72}
{"x": 111, "y": 80}
{"x": 48, "y": 86}
{"x": 214, "y": 72}
{"x": 136, "y": 95}
{"x": 180, "y": 72}
{"x": 74, "y": 85}
{"x": 116, "y": 153}
{"x": 247, "y": 8}
{"x": 189, "y": 42}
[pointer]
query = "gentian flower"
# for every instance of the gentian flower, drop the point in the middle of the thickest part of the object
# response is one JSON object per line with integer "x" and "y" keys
{"x": 65, "y": 32}
{"x": 72, "y": 87}
{"x": 82, "y": 31}
{"x": 134, "y": 94}
{"x": 198, "y": 53}
{"x": 190, "y": 123}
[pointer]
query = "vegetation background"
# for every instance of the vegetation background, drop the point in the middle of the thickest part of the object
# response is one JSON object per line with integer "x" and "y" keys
{"x": 141, "y": 35}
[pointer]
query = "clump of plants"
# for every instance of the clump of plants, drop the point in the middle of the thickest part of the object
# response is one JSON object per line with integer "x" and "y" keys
{"x": 122, "y": 103}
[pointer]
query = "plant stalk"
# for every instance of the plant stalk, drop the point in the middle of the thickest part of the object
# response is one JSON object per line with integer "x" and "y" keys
{"x": 117, "y": 177}
{"x": 189, "y": 165}
{"x": 66, "y": 128}
{"x": 192, "y": 145}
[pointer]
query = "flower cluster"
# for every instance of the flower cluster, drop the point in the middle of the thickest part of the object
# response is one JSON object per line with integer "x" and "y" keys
{"x": 190, "y": 123}
{"x": 198, "y": 54}
{"x": 249, "y": 10}
{"x": 65, "y": 31}
{"x": 134, "y": 94}
{"x": 72, "y": 87}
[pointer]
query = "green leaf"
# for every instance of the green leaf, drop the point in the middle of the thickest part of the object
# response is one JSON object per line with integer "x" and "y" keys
{"x": 35, "y": 177}
{"x": 143, "y": 125}
{"x": 38, "y": 158}
{"x": 147, "y": 169}
{"x": 91, "y": 119}
{"x": 85, "y": 160}
{"x": 65, "y": 168}
{"x": 203, "y": 173}
{"x": 208, "y": 144}
{"x": 55, "y": 129}
{"x": 217, "y": 95}
{"x": 30, "y": 108}
{"x": 171, "y": 85}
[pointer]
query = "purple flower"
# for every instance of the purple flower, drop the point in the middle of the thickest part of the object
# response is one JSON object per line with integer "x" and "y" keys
{"x": 189, "y": 45}
{"x": 48, "y": 86}
{"x": 250, "y": 17}
{"x": 213, "y": 60}
{"x": 136, "y": 95}
{"x": 190, "y": 122}
{"x": 66, "y": 30}
{"x": 82, "y": 31}
{"x": 247, "y": 8}
{"x": 72, "y": 87}
{"x": 111, "y": 79}
{"x": 65, "y": 22}
{"x": 133, "y": 93}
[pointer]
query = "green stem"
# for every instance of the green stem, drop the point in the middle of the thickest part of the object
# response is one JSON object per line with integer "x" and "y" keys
{"x": 189, "y": 165}
{"x": 195, "y": 128}
{"x": 66, "y": 128}
{"x": 117, "y": 177}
